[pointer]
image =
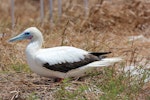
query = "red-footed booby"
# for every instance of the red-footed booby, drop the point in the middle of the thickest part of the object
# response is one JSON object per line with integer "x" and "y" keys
{"x": 60, "y": 62}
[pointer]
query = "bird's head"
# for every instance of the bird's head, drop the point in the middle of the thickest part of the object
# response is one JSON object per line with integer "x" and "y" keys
{"x": 31, "y": 33}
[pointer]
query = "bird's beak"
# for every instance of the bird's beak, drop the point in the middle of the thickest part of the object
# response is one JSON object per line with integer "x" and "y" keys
{"x": 16, "y": 38}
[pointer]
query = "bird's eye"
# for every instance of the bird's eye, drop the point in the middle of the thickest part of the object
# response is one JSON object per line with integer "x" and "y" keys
{"x": 27, "y": 33}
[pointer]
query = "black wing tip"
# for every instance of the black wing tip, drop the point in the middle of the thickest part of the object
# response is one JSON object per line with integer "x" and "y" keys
{"x": 100, "y": 53}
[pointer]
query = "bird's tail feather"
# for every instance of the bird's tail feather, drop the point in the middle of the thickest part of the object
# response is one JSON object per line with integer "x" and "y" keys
{"x": 105, "y": 62}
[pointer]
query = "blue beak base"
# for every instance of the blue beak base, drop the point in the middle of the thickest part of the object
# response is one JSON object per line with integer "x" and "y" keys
{"x": 18, "y": 37}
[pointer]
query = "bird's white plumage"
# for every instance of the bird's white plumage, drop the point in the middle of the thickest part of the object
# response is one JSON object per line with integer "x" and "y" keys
{"x": 36, "y": 56}
{"x": 59, "y": 55}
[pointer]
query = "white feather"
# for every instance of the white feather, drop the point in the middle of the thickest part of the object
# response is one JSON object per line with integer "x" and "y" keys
{"x": 58, "y": 55}
{"x": 105, "y": 62}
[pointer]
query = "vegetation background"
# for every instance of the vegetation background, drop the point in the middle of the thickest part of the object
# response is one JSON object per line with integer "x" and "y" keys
{"x": 110, "y": 25}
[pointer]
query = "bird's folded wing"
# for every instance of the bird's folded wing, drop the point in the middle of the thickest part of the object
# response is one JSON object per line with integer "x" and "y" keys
{"x": 60, "y": 55}
{"x": 64, "y": 59}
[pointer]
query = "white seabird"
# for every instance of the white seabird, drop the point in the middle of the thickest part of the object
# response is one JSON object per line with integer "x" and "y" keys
{"x": 60, "y": 62}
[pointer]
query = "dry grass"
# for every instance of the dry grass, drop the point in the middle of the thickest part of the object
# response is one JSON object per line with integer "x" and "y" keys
{"x": 105, "y": 29}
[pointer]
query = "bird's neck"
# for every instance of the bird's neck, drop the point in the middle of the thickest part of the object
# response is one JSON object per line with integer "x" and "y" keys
{"x": 33, "y": 47}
